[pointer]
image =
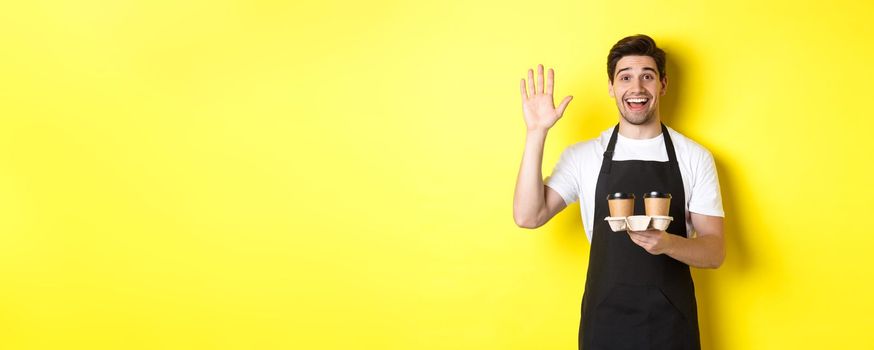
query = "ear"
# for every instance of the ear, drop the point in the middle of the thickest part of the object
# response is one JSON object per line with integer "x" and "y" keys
{"x": 610, "y": 87}
{"x": 664, "y": 85}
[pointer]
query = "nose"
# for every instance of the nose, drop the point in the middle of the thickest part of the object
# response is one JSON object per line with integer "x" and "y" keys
{"x": 637, "y": 86}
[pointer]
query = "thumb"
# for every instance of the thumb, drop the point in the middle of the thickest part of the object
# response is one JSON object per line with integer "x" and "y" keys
{"x": 564, "y": 104}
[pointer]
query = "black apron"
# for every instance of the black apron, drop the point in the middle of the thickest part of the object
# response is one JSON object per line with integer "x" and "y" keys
{"x": 633, "y": 299}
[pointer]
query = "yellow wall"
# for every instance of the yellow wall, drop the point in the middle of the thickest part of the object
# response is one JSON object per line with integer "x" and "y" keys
{"x": 337, "y": 175}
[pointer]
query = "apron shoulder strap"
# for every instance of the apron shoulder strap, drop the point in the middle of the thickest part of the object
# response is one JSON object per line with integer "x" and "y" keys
{"x": 669, "y": 147}
{"x": 608, "y": 154}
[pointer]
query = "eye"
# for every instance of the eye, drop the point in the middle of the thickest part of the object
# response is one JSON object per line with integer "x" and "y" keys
{"x": 647, "y": 77}
{"x": 624, "y": 77}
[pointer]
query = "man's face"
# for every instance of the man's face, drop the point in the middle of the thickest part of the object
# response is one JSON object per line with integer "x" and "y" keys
{"x": 636, "y": 87}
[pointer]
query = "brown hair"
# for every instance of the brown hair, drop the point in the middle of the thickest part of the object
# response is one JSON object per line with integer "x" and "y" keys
{"x": 635, "y": 45}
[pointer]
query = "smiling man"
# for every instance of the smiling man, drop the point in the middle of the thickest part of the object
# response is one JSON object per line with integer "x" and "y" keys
{"x": 639, "y": 292}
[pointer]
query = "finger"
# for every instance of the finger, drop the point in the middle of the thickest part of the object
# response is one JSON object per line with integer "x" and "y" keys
{"x": 637, "y": 234}
{"x": 549, "y": 79}
{"x": 531, "y": 82}
{"x": 639, "y": 238}
{"x": 523, "y": 90}
{"x": 563, "y": 105}
{"x": 634, "y": 238}
{"x": 649, "y": 233}
{"x": 540, "y": 78}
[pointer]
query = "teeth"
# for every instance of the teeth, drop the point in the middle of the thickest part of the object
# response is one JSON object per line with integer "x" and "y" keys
{"x": 638, "y": 100}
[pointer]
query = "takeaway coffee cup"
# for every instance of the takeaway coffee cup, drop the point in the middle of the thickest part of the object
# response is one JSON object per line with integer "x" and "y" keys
{"x": 657, "y": 203}
{"x": 621, "y": 204}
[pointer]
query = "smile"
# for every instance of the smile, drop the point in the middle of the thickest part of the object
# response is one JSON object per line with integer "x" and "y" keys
{"x": 636, "y": 103}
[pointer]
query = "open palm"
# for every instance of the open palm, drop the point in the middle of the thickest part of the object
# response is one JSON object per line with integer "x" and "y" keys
{"x": 538, "y": 106}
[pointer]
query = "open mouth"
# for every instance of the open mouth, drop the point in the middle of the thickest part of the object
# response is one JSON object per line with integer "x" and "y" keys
{"x": 636, "y": 103}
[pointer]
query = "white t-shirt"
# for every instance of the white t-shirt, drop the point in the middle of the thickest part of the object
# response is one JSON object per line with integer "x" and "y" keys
{"x": 576, "y": 174}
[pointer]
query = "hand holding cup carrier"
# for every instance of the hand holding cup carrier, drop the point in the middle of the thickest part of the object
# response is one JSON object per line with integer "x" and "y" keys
{"x": 621, "y": 204}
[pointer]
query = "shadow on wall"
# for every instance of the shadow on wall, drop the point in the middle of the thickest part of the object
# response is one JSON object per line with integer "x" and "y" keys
{"x": 738, "y": 262}
{"x": 670, "y": 106}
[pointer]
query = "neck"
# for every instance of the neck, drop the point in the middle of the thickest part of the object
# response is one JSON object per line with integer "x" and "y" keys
{"x": 648, "y": 130}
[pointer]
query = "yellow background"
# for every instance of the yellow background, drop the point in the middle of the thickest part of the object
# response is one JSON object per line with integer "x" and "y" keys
{"x": 339, "y": 174}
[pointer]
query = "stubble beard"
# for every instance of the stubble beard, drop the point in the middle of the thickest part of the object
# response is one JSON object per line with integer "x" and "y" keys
{"x": 637, "y": 119}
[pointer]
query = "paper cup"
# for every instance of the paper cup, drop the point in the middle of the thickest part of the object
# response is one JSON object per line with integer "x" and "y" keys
{"x": 657, "y": 203}
{"x": 621, "y": 204}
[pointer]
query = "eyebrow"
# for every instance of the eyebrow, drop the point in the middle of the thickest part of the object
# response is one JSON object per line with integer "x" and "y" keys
{"x": 644, "y": 68}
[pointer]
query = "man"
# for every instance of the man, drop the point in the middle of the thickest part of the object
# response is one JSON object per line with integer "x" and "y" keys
{"x": 639, "y": 292}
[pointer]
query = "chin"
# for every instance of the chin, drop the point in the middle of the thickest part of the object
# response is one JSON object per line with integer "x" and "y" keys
{"x": 638, "y": 121}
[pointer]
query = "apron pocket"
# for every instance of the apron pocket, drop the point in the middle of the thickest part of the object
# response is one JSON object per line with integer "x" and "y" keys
{"x": 621, "y": 319}
{"x": 670, "y": 326}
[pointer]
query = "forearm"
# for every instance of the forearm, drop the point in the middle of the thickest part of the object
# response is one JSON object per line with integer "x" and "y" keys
{"x": 529, "y": 199}
{"x": 701, "y": 252}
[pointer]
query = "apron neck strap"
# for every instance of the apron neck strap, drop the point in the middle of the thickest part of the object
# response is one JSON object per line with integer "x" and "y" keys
{"x": 611, "y": 146}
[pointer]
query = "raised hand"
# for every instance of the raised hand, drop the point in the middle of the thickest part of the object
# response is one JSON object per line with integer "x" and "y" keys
{"x": 538, "y": 105}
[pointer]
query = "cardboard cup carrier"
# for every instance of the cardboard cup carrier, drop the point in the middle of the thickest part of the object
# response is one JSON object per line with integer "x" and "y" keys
{"x": 657, "y": 206}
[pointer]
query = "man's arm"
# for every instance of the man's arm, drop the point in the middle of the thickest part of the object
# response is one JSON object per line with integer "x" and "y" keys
{"x": 534, "y": 203}
{"x": 705, "y": 250}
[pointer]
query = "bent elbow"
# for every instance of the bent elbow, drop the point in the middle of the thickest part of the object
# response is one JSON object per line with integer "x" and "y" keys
{"x": 718, "y": 261}
{"x": 526, "y": 223}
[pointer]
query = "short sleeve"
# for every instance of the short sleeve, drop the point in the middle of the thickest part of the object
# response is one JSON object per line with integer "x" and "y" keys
{"x": 706, "y": 198}
{"x": 565, "y": 176}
